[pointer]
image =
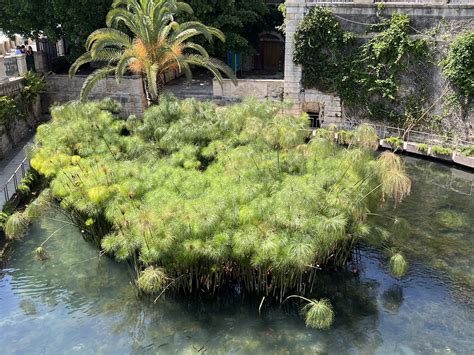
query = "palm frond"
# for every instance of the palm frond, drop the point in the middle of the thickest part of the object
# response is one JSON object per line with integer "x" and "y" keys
{"x": 94, "y": 78}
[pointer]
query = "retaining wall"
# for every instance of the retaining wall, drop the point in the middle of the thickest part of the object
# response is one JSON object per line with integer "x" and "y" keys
{"x": 354, "y": 17}
{"x": 129, "y": 93}
{"x": 258, "y": 88}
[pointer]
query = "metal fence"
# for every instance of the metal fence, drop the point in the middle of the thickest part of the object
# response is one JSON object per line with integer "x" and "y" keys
{"x": 411, "y": 135}
{"x": 8, "y": 191}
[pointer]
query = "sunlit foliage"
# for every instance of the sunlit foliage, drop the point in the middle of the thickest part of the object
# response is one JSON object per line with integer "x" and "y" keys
{"x": 218, "y": 195}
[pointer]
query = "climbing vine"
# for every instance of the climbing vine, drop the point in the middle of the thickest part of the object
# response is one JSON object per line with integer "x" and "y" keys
{"x": 367, "y": 74}
{"x": 458, "y": 67}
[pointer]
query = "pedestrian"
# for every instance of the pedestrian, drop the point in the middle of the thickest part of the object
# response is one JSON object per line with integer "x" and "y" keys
{"x": 30, "y": 59}
{"x": 18, "y": 50}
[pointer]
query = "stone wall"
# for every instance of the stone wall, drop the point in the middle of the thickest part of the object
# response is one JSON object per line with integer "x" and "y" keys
{"x": 353, "y": 17}
{"x": 258, "y": 88}
{"x": 19, "y": 127}
{"x": 129, "y": 93}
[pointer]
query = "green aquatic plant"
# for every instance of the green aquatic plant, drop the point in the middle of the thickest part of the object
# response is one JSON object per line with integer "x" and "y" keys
{"x": 451, "y": 219}
{"x": 422, "y": 147}
{"x": 468, "y": 151}
{"x": 395, "y": 142}
{"x": 16, "y": 225}
{"x": 152, "y": 280}
{"x": 40, "y": 254}
{"x": 223, "y": 195}
{"x": 398, "y": 264}
{"x": 436, "y": 149}
{"x": 318, "y": 314}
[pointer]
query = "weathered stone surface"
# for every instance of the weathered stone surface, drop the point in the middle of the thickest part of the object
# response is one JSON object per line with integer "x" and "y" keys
{"x": 355, "y": 17}
{"x": 258, "y": 88}
{"x": 129, "y": 93}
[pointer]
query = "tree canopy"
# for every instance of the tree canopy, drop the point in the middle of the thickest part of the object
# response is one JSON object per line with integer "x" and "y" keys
{"x": 240, "y": 20}
{"x": 72, "y": 19}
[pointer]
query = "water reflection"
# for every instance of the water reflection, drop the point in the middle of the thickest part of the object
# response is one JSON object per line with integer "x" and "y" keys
{"x": 75, "y": 303}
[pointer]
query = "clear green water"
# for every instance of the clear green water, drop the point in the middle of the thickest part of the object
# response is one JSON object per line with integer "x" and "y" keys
{"x": 74, "y": 304}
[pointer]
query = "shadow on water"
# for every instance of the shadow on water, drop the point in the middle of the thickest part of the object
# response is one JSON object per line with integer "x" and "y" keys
{"x": 75, "y": 304}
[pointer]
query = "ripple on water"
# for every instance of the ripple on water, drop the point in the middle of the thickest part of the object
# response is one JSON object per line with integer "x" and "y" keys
{"x": 67, "y": 305}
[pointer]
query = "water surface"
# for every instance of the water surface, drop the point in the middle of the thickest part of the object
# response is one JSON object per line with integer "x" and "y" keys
{"x": 78, "y": 303}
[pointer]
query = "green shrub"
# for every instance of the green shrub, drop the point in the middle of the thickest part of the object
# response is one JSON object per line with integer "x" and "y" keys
{"x": 8, "y": 110}
{"x": 459, "y": 65}
{"x": 345, "y": 137}
{"x": 436, "y": 149}
{"x": 468, "y": 151}
{"x": 395, "y": 142}
{"x": 422, "y": 147}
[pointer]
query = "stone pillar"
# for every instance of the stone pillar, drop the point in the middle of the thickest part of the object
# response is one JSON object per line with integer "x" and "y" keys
{"x": 295, "y": 11}
{"x": 21, "y": 63}
{"x": 3, "y": 74}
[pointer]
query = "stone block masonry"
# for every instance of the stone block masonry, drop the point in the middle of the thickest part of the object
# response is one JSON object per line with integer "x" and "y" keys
{"x": 129, "y": 93}
{"x": 353, "y": 16}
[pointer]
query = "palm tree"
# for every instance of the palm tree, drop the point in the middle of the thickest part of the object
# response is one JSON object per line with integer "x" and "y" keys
{"x": 154, "y": 43}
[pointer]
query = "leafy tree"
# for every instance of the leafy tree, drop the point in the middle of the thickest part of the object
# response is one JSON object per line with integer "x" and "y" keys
{"x": 69, "y": 19}
{"x": 156, "y": 44}
{"x": 240, "y": 20}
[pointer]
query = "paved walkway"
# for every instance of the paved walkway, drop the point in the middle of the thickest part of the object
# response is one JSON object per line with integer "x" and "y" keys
{"x": 9, "y": 164}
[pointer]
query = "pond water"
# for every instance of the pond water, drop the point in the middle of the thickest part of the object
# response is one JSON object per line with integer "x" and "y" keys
{"x": 75, "y": 304}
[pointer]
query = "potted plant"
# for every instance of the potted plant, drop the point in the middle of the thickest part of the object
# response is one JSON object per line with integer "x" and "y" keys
{"x": 394, "y": 143}
{"x": 444, "y": 153}
{"x": 465, "y": 156}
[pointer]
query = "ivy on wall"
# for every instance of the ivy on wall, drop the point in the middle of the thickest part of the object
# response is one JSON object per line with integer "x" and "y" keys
{"x": 458, "y": 67}
{"x": 367, "y": 75}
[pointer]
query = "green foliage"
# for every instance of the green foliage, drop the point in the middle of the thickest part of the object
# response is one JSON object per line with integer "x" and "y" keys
{"x": 241, "y": 21}
{"x": 366, "y": 75}
{"x": 458, "y": 67}
{"x": 422, "y": 147}
{"x": 319, "y": 314}
{"x": 395, "y": 142}
{"x": 3, "y": 219}
{"x": 40, "y": 254}
{"x": 320, "y": 44}
{"x": 436, "y": 149}
{"x": 219, "y": 194}
{"x": 468, "y": 151}
{"x": 8, "y": 111}
{"x": 149, "y": 48}
{"x": 54, "y": 19}
{"x": 398, "y": 265}
{"x": 16, "y": 225}
{"x": 152, "y": 280}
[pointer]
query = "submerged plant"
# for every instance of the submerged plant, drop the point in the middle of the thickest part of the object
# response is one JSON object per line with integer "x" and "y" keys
{"x": 40, "y": 254}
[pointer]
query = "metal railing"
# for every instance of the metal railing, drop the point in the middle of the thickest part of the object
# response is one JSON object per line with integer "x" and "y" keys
{"x": 8, "y": 191}
{"x": 410, "y": 135}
